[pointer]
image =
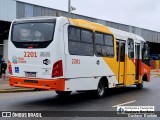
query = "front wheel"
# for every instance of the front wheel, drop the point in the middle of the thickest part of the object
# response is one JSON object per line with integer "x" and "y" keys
{"x": 101, "y": 90}
{"x": 63, "y": 93}
{"x": 140, "y": 85}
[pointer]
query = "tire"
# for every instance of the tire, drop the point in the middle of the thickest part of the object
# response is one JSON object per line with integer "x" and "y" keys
{"x": 63, "y": 93}
{"x": 100, "y": 92}
{"x": 140, "y": 85}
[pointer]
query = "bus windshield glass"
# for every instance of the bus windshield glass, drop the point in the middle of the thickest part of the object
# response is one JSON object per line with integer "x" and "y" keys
{"x": 33, "y": 34}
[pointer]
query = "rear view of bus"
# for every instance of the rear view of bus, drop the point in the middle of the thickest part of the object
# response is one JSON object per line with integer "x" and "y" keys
{"x": 36, "y": 53}
{"x": 65, "y": 55}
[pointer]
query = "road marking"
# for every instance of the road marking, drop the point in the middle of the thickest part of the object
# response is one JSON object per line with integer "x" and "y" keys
{"x": 124, "y": 103}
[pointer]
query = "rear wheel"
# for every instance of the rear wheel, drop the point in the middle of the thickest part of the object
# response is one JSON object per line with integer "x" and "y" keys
{"x": 63, "y": 93}
{"x": 100, "y": 90}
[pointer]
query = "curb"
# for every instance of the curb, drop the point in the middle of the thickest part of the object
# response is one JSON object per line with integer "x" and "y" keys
{"x": 16, "y": 90}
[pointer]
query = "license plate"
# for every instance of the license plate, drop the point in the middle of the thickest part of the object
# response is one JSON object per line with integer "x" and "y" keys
{"x": 30, "y": 74}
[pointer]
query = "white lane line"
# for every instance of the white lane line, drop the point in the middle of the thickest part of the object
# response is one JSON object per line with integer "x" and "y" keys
{"x": 124, "y": 103}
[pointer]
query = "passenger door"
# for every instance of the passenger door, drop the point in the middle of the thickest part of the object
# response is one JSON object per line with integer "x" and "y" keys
{"x": 121, "y": 61}
{"x": 130, "y": 63}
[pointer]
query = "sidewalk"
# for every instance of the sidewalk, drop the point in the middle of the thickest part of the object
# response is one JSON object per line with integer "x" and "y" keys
{"x": 5, "y": 87}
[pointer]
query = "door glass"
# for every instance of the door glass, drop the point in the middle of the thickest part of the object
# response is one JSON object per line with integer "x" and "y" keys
{"x": 122, "y": 54}
{"x": 130, "y": 49}
{"x": 117, "y": 46}
{"x": 120, "y": 51}
{"x": 137, "y": 48}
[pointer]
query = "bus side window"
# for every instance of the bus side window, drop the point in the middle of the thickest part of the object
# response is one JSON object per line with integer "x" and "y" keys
{"x": 86, "y": 36}
{"x": 104, "y": 45}
{"x": 130, "y": 49}
{"x": 80, "y": 41}
{"x": 145, "y": 53}
{"x": 74, "y": 34}
{"x": 98, "y": 43}
{"x": 109, "y": 45}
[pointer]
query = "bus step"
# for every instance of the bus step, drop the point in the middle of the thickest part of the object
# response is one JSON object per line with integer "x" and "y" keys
{"x": 136, "y": 81}
{"x": 119, "y": 85}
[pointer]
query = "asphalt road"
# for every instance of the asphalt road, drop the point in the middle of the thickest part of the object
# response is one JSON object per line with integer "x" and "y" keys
{"x": 49, "y": 101}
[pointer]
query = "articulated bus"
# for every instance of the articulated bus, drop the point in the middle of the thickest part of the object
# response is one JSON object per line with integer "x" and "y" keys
{"x": 64, "y": 55}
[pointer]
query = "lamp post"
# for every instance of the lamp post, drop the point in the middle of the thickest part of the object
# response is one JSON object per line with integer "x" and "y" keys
{"x": 70, "y": 8}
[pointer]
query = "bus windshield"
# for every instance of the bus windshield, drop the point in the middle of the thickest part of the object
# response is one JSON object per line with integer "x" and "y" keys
{"x": 33, "y": 34}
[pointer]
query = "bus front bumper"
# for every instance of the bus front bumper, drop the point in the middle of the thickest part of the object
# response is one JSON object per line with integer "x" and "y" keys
{"x": 45, "y": 84}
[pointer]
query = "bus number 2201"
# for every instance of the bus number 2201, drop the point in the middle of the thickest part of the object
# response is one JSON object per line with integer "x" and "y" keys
{"x": 75, "y": 61}
{"x": 30, "y": 54}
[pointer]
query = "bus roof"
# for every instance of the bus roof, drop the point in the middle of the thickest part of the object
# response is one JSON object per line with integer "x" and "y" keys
{"x": 36, "y": 18}
{"x": 119, "y": 34}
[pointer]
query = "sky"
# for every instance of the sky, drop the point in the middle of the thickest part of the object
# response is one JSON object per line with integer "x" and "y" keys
{"x": 139, "y": 13}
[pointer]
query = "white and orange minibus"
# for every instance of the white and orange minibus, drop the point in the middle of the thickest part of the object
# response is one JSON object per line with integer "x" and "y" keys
{"x": 64, "y": 54}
